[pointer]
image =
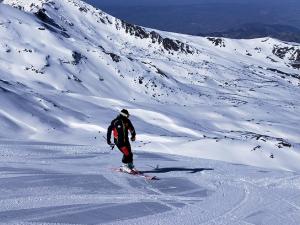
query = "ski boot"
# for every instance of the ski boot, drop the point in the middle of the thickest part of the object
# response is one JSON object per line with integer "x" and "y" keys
{"x": 129, "y": 168}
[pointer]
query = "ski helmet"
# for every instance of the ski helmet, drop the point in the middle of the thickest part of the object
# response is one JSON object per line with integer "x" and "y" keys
{"x": 125, "y": 113}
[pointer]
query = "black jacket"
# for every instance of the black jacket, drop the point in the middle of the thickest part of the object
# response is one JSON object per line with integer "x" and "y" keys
{"x": 120, "y": 127}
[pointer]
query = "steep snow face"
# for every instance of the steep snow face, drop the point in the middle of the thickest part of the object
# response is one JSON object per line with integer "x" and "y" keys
{"x": 66, "y": 68}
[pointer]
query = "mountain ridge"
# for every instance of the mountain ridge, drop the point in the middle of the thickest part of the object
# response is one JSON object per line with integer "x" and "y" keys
{"x": 259, "y": 30}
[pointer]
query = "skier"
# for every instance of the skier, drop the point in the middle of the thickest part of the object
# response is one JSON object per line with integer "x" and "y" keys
{"x": 120, "y": 126}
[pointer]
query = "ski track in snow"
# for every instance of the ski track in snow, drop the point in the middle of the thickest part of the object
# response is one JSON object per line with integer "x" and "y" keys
{"x": 44, "y": 183}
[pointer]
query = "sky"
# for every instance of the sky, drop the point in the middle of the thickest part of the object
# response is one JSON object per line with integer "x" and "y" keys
{"x": 176, "y": 2}
{"x": 202, "y": 16}
{"x": 141, "y": 2}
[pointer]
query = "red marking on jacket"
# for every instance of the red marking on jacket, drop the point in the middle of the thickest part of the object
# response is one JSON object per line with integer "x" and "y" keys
{"x": 115, "y": 132}
{"x": 125, "y": 150}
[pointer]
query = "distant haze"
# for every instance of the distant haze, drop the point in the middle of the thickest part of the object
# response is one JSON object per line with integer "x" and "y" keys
{"x": 202, "y": 16}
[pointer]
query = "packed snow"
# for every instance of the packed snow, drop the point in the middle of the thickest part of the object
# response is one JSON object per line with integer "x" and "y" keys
{"x": 217, "y": 121}
{"x": 44, "y": 183}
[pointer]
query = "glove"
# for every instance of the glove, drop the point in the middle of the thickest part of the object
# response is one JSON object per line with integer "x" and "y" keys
{"x": 111, "y": 145}
{"x": 133, "y": 138}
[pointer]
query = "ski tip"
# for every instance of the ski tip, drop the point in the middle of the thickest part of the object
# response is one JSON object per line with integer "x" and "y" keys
{"x": 154, "y": 178}
{"x": 148, "y": 177}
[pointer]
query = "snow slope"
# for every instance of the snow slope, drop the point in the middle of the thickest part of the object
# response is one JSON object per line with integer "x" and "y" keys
{"x": 43, "y": 183}
{"x": 66, "y": 69}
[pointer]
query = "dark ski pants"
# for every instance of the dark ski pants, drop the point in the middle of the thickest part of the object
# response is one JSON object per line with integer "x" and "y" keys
{"x": 127, "y": 154}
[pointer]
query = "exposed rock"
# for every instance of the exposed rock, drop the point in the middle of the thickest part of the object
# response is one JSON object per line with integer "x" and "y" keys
{"x": 167, "y": 43}
{"x": 134, "y": 30}
{"x": 113, "y": 56}
{"x": 41, "y": 14}
{"x": 50, "y": 23}
{"x": 217, "y": 41}
{"x": 296, "y": 59}
{"x": 156, "y": 38}
{"x": 82, "y": 9}
{"x": 294, "y": 53}
{"x": 281, "y": 51}
{"x": 77, "y": 57}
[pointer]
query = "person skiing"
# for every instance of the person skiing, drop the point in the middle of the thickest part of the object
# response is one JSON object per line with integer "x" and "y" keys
{"x": 120, "y": 127}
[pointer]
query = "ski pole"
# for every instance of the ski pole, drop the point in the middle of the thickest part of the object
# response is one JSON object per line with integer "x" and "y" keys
{"x": 111, "y": 145}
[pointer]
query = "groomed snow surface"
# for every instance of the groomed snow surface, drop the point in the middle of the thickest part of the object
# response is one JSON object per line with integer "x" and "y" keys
{"x": 43, "y": 183}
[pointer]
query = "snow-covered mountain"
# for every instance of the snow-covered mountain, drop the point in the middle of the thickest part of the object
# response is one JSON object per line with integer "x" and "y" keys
{"x": 66, "y": 69}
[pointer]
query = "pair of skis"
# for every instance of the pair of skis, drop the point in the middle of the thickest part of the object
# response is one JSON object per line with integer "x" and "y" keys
{"x": 132, "y": 172}
{"x": 136, "y": 173}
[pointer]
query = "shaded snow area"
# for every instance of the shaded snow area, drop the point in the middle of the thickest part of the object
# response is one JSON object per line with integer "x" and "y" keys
{"x": 43, "y": 183}
{"x": 66, "y": 69}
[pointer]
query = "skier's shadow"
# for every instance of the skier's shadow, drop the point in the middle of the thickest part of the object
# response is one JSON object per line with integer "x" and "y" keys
{"x": 176, "y": 169}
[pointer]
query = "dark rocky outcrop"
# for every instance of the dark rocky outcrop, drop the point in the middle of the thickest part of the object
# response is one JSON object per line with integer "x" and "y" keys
{"x": 113, "y": 56}
{"x": 281, "y": 51}
{"x": 167, "y": 43}
{"x": 77, "y": 57}
{"x": 217, "y": 41}
{"x": 50, "y": 24}
{"x": 296, "y": 59}
{"x": 294, "y": 53}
